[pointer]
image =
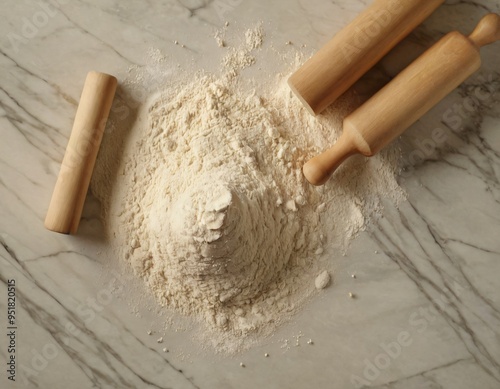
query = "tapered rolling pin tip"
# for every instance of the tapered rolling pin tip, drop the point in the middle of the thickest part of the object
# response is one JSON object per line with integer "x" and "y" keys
{"x": 320, "y": 168}
{"x": 487, "y": 31}
{"x": 314, "y": 174}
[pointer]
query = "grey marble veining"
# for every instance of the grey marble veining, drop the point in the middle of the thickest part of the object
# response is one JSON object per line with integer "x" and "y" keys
{"x": 428, "y": 272}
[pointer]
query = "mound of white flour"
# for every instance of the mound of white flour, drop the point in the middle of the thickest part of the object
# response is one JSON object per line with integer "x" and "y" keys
{"x": 212, "y": 210}
{"x": 219, "y": 218}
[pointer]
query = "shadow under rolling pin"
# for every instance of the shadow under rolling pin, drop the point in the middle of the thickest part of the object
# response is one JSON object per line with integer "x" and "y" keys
{"x": 408, "y": 97}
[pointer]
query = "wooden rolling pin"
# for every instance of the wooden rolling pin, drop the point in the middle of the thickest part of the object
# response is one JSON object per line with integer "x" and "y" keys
{"x": 356, "y": 49}
{"x": 67, "y": 201}
{"x": 406, "y": 98}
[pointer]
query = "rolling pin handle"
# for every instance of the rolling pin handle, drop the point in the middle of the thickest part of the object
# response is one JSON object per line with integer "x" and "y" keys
{"x": 319, "y": 169}
{"x": 487, "y": 31}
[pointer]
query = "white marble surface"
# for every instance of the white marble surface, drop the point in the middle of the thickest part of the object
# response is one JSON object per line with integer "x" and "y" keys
{"x": 434, "y": 285}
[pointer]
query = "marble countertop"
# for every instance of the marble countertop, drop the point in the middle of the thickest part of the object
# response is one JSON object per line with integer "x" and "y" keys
{"x": 428, "y": 312}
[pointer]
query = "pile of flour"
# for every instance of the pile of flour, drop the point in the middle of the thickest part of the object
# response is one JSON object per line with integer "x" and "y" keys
{"x": 210, "y": 207}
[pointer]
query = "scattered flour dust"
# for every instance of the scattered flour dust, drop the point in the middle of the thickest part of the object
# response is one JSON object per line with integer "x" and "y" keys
{"x": 211, "y": 208}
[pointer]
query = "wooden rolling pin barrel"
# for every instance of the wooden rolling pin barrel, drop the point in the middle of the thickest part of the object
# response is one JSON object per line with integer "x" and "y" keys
{"x": 67, "y": 201}
{"x": 356, "y": 49}
{"x": 406, "y": 98}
